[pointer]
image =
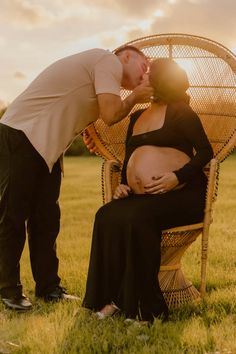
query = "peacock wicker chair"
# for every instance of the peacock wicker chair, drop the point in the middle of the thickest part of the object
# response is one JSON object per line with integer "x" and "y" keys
{"x": 211, "y": 69}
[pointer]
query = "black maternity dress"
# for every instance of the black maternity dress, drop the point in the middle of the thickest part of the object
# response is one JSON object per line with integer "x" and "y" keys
{"x": 125, "y": 252}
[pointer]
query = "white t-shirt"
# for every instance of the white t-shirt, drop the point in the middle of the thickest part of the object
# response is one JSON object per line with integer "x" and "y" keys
{"x": 62, "y": 100}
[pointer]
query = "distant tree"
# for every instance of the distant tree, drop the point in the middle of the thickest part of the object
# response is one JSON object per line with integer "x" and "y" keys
{"x": 77, "y": 148}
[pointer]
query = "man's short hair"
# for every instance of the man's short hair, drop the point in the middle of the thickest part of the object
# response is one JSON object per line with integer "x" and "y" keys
{"x": 129, "y": 47}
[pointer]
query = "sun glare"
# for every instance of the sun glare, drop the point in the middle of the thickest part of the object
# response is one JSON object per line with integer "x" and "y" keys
{"x": 145, "y": 25}
{"x": 185, "y": 64}
{"x": 159, "y": 13}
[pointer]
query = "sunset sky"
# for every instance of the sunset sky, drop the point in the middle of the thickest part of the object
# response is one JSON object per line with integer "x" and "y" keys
{"x": 34, "y": 33}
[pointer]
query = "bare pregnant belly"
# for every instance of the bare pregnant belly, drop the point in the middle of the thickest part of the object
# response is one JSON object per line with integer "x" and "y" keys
{"x": 148, "y": 162}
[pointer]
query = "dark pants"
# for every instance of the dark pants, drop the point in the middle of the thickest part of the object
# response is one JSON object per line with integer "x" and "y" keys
{"x": 28, "y": 197}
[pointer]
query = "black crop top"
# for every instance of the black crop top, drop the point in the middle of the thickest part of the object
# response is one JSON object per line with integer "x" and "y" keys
{"x": 182, "y": 130}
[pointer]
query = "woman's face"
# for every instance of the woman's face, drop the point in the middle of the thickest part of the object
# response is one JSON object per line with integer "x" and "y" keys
{"x": 169, "y": 81}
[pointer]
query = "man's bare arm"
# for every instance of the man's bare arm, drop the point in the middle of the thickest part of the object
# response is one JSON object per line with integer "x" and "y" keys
{"x": 113, "y": 109}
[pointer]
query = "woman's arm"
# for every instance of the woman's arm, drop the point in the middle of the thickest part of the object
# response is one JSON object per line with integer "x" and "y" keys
{"x": 190, "y": 126}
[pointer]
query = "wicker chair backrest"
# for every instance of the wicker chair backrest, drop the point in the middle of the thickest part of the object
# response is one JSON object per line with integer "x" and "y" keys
{"x": 211, "y": 70}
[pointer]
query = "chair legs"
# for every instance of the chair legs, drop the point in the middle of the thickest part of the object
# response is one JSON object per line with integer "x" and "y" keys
{"x": 177, "y": 290}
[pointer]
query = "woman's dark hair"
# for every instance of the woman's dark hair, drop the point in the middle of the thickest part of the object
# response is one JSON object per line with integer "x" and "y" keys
{"x": 169, "y": 80}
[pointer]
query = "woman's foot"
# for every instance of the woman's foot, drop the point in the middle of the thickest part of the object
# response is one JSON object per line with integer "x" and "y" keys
{"x": 107, "y": 311}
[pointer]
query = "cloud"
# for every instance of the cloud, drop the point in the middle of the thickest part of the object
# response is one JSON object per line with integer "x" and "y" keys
{"x": 34, "y": 33}
{"x": 19, "y": 75}
{"x": 206, "y": 18}
{"x": 26, "y": 13}
{"x": 210, "y": 18}
{"x": 214, "y": 20}
{"x": 2, "y": 41}
{"x": 132, "y": 8}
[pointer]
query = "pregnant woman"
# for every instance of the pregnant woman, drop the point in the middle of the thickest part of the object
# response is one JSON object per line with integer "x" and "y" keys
{"x": 162, "y": 186}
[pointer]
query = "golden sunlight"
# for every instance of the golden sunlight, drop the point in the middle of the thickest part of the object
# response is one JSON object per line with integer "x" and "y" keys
{"x": 159, "y": 13}
{"x": 145, "y": 24}
{"x": 186, "y": 64}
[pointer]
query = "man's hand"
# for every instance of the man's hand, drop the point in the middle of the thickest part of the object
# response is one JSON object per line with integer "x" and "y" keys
{"x": 89, "y": 142}
{"x": 113, "y": 109}
{"x": 122, "y": 191}
{"x": 162, "y": 184}
{"x": 143, "y": 92}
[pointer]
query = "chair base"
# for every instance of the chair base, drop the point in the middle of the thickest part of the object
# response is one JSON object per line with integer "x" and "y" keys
{"x": 177, "y": 297}
{"x": 177, "y": 290}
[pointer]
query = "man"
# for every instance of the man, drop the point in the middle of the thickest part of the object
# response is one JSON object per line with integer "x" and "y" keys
{"x": 34, "y": 132}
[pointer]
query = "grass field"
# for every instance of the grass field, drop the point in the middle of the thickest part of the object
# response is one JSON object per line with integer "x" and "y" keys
{"x": 209, "y": 327}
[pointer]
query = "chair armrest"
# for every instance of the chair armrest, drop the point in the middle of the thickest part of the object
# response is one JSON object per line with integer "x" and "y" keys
{"x": 95, "y": 143}
{"x": 111, "y": 170}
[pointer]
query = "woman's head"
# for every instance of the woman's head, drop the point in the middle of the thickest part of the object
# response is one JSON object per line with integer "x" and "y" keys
{"x": 169, "y": 80}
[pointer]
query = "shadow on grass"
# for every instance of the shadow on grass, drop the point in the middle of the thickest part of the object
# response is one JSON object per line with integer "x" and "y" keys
{"x": 210, "y": 313}
{"x": 39, "y": 308}
{"x": 214, "y": 286}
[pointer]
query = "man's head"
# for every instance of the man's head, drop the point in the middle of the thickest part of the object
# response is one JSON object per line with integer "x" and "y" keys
{"x": 135, "y": 65}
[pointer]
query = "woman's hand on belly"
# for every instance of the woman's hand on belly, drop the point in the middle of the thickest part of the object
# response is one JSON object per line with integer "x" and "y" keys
{"x": 162, "y": 183}
{"x": 122, "y": 191}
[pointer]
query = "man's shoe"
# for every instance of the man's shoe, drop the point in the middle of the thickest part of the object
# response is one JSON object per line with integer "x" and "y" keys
{"x": 59, "y": 294}
{"x": 18, "y": 303}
